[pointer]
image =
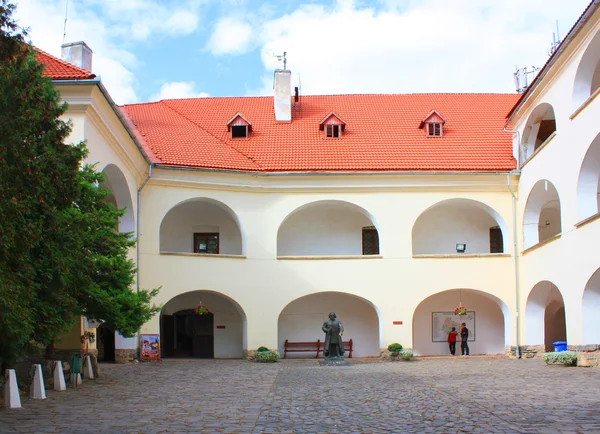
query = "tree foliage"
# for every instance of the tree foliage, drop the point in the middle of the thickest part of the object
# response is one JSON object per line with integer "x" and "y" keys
{"x": 60, "y": 253}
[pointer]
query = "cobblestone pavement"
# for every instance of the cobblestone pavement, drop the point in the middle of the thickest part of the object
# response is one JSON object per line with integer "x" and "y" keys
{"x": 433, "y": 395}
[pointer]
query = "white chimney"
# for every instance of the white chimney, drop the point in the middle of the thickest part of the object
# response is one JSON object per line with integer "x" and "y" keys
{"x": 78, "y": 54}
{"x": 283, "y": 95}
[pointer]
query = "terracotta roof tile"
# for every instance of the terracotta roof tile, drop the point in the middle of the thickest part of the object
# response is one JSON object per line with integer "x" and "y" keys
{"x": 58, "y": 69}
{"x": 382, "y": 133}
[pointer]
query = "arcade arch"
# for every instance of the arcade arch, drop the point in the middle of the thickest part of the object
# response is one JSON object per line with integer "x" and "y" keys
{"x": 591, "y": 310}
{"x": 545, "y": 316}
{"x": 219, "y": 334}
{"x": 587, "y": 78}
{"x": 120, "y": 196}
{"x": 540, "y": 126}
{"x": 488, "y": 318}
{"x": 328, "y": 227}
{"x": 201, "y": 225}
{"x": 442, "y": 226}
{"x": 588, "y": 185}
{"x": 542, "y": 218}
{"x": 302, "y": 318}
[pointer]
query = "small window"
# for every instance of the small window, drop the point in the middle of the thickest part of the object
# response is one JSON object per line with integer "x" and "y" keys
{"x": 370, "y": 241}
{"x": 333, "y": 130}
{"x": 239, "y": 131}
{"x": 206, "y": 243}
{"x": 496, "y": 241}
{"x": 434, "y": 129}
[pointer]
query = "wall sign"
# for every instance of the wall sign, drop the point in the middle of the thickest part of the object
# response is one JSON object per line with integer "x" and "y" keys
{"x": 442, "y": 323}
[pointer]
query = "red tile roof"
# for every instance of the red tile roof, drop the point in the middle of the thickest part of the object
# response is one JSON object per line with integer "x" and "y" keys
{"x": 382, "y": 133}
{"x": 58, "y": 69}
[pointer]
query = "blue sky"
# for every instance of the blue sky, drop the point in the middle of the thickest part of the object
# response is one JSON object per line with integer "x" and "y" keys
{"x": 145, "y": 50}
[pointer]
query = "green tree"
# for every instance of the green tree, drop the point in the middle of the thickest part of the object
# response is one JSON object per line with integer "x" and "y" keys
{"x": 60, "y": 255}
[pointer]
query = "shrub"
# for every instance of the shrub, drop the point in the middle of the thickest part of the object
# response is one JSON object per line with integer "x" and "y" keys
{"x": 394, "y": 348}
{"x": 266, "y": 356}
{"x": 567, "y": 358}
{"x": 406, "y": 354}
{"x": 260, "y": 349}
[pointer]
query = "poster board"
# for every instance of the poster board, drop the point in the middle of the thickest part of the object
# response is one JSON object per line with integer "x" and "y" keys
{"x": 149, "y": 347}
{"x": 442, "y": 323}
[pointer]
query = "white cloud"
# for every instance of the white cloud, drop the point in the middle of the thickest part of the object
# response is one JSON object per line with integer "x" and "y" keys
{"x": 110, "y": 28}
{"x": 231, "y": 36}
{"x": 178, "y": 89}
{"x": 413, "y": 46}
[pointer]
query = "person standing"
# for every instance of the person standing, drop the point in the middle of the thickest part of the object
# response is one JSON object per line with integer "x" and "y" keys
{"x": 464, "y": 338}
{"x": 452, "y": 341}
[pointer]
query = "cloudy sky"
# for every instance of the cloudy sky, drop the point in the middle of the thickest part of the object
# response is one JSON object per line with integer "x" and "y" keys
{"x": 146, "y": 50}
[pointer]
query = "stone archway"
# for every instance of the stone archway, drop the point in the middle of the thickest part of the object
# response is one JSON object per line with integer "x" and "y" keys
{"x": 302, "y": 318}
{"x": 545, "y": 316}
{"x": 490, "y": 322}
{"x": 219, "y": 334}
{"x": 328, "y": 228}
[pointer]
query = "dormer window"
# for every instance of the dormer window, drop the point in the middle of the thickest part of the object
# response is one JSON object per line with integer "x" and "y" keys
{"x": 433, "y": 124}
{"x": 332, "y": 125}
{"x": 239, "y": 127}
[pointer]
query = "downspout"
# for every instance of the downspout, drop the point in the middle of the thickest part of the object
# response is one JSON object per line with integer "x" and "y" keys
{"x": 516, "y": 256}
{"x": 137, "y": 228}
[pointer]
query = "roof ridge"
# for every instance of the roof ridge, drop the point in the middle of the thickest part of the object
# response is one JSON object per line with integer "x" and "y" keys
{"x": 65, "y": 63}
{"x": 213, "y": 136}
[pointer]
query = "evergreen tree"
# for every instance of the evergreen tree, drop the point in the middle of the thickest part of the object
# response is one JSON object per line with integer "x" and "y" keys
{"x": 60, "y": 255}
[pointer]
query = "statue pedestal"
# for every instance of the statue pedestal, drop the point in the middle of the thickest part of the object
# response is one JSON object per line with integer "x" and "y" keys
{"x": 333, "y": 362}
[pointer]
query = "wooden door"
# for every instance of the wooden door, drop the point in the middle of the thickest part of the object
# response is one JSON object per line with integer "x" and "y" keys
{"x": 203, "y": 336}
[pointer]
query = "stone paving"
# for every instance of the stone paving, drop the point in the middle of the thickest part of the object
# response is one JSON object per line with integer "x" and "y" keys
{"x": 217, "y": 396}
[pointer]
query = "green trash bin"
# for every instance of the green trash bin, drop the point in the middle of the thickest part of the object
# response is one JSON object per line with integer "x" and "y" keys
{"x": 75, "y": 364}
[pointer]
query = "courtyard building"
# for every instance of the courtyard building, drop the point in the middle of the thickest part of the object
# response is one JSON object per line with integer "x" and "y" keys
{"x": 390, "y": 210}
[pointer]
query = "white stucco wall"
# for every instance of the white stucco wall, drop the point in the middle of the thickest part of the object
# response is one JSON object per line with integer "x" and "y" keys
{"x": 228, "y": 342}
{"x": 489, "y": 323}
{"x": 179, "y": 225}
{"x": 322, "y": 229}
{"x": 301, "y": 321}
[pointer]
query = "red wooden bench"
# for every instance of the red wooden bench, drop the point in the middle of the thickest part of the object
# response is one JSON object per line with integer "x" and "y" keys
{"x": 306, "y": 347}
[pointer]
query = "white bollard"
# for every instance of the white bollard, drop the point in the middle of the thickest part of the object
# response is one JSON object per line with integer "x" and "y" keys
{"x": 59, "y": 377}
{"x": 37, "y": 385}
{"x": 12, "y": 399}
{"x": 88, "y": 372}
{"x": 76, "y": 380}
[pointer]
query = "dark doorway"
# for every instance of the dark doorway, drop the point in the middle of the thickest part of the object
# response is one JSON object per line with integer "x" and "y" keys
{"x": 186, "y": 334}
{"x": 105, "y": 344}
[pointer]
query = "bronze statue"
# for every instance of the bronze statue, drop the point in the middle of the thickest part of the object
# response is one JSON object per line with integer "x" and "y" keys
{"x": 334, "y": 346}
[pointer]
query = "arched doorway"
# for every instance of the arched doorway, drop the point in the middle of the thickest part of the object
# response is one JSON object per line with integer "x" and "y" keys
{"x": 328, "y": 228}
{"x": 488, "y": 320}
{"x": 105, "y": 343}
{"x": 301, "y": 321}
{"x": 591, "y": 310}
{"x": 218, "y": 334}
{"x": 446, "y": 224}
{"x": 545, "y": 316}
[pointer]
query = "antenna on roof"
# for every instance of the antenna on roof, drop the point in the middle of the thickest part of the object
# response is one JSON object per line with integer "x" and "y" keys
{"x": 283, "y": 57}
{"x": 65, "y": 26}
{"x": 555, "y": 41}
{"x": 521, "y": 76}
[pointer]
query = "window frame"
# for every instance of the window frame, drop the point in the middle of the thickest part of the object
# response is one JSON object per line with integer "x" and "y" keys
{"x": 434, "y": 129}
{"x": 371, "y": 230}
{"x": 206, "y": 234}
{"x": 335, "y": 131}
{"x": 245, "y": 136}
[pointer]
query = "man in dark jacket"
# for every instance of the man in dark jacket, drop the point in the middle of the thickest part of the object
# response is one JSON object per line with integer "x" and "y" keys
{"x": 464, "y": 337}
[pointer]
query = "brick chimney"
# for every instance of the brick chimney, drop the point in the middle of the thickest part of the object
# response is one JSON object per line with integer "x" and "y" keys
{"x": 282, "y": 102}
{"x": 77, "y": 54}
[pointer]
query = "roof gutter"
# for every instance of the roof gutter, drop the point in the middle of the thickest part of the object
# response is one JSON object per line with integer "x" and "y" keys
{"x": 113, "y": 105}
{"x": 561, "y": 48}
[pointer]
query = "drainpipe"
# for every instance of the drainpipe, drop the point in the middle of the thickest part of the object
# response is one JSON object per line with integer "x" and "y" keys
{"x": 137, "y": 228}
{"x": 516, "y": 256}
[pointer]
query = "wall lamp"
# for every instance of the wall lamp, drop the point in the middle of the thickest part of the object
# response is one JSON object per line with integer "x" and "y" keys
{"x": 461, "y": 248}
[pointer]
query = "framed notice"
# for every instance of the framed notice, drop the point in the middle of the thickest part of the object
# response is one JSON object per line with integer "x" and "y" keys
{"x": 149, "y": 347}
{"x": 442, "y": 323}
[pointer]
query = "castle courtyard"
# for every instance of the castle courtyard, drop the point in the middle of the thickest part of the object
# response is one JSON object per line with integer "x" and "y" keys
{"x": 299, "y": 396}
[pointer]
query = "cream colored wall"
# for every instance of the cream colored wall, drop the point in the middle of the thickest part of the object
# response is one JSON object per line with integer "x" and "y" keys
{"x": 571, "y": 259}
{"x": 263, "y": 285}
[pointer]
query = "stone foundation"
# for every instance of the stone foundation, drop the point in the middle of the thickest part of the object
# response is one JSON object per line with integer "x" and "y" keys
{"x": 248, "y": 355}
{"x": 125, "y": 355}
{"x": 526, "y": 351}
{"x": 588, "y": 360}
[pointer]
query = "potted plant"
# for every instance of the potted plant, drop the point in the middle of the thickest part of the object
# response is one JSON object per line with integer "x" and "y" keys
{"x": 265, "y": 355}
{"x": 460, "y": 310}
{"x": 201, "y": 310}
